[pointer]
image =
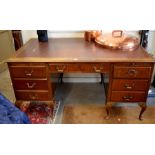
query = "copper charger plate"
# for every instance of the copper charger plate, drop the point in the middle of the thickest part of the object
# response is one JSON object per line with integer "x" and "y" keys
{"x": 121, "y": 42}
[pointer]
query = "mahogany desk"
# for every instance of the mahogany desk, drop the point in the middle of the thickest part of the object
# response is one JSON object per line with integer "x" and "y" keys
{"x": 32, "y": 66}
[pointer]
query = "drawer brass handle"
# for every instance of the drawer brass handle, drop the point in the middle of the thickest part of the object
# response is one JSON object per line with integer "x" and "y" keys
{"x": 28, "y": 73}
{"x": 97, "y": 70}
{"x": 30, "y": 85}
{"x": 33, "y": 97}
{"x": 128, "y": 86}
{"x": 127, "y": 98}
{"x": 132, "y": 72}
{"x": 60, "y": 70}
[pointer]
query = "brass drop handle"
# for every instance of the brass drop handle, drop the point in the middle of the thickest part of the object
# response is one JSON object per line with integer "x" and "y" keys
{"x": 132, "y": 71}
{"x": 127, "y": 98}
{"x": 98, "y": 70}
{"x": 33, "y": 97}
{"x": 30, "y": 85}
{"x": 28, "y": 73}
{"x": 60, "y": 70}
{"x": 127, "y": 86}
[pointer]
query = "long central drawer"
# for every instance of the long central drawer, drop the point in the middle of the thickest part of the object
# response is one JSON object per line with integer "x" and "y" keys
{"x": 81, "y": 67}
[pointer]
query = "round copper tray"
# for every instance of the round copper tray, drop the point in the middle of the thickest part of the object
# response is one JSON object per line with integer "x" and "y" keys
{"x": 121, "y": 41}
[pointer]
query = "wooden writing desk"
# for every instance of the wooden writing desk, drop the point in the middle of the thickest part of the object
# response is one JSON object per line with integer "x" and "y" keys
{"x": 32, "y": 66}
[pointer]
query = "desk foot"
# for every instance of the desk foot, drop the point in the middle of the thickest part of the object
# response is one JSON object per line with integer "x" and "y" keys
{"x": 107, "y": 117}
{"x": 18, "y": 103}
{"x": 143, "y": 108}
{"x": 108, "y": 108}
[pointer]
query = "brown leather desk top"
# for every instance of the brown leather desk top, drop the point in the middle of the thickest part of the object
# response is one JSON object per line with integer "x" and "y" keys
{"x": 75, "y": 50}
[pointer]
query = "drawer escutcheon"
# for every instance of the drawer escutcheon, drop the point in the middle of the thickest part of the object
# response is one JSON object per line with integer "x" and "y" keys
{"x": 127, "y": 98}
{"x": 60, "y": 70}
{"x": 98, "y": 70}
{"x": 132, "y": 72}
{"x": 28, "y": 73}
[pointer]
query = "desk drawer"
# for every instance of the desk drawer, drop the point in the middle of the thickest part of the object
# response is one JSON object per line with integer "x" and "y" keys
{"x": 80, "y": 67}
{"x": 132, "y": 72}
{"x": 41, "y": 84}
{"x": 32, "y": 95}
{"x": 28, "y": 72}
{"x": 128, "y": 96}
{"x": 126, "y": 85}
{"x": 95, "y": 67}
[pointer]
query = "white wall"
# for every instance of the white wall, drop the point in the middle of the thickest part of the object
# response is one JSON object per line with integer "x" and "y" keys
{"x": 28, "y": 34}
{"x": 151, "y": 42}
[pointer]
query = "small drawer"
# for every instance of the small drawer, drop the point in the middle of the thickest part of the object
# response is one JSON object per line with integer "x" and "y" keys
{"x": 32, "y": 95}
{"x": 20, "y": 84}
{"x": 96, "y": 67}
{"x": 132, "y": 72}
{"x": 128, "y": 96}
{"x": 58, "y": 68}
{"x": 126, "y": 85}
{"x": 28, "y": 72}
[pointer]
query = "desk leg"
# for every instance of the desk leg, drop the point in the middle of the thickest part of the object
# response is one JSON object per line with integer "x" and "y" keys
{"x": 61, "y": 78}
{"x": 102, "y": 78}
{"x": 18, "y": 103}
{"x": 143, "y": 108}
{"x": 108, "y": 108}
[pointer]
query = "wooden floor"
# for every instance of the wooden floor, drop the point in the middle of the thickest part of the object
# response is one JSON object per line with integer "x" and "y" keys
{"x": 95, "y": 114}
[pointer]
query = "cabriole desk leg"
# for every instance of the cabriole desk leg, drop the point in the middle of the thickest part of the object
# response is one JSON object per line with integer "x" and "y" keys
{"x": 108, "y": 108}
{"x": 18, "y": 103}
{"x": 143, "y": 108}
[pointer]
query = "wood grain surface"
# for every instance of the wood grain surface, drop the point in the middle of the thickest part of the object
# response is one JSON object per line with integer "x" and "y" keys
{"x": 75, "y": 50}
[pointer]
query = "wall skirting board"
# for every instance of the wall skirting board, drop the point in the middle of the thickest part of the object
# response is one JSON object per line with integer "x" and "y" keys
{"x": 83, "y": 78}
